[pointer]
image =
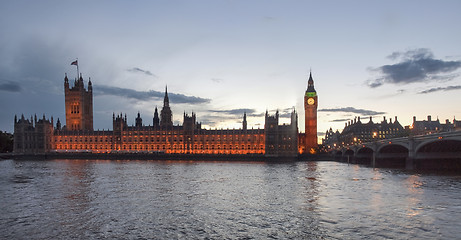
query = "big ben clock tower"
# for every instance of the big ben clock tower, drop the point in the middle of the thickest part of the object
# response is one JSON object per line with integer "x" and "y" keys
{"x": 310, "y": 108}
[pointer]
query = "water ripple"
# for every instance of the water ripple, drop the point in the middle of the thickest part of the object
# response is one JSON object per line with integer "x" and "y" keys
{"x": 81, "y": 199}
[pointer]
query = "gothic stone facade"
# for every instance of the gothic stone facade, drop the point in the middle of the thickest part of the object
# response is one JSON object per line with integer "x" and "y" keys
{"x": 160, "y": 137}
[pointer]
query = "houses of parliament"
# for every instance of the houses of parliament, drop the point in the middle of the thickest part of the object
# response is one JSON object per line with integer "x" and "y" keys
{"x": 42, "y": 135}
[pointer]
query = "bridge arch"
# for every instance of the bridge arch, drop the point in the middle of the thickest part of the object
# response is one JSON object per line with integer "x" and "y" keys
{"x": 364, "y": 155}
{"x": 365, "y": 150}
{"x": 338, "y": 154}
{"x": 392, "y": 156}
{"x": 393, "y": 147}
{"x": 441, "y": 154}
{"x": 348, "y": 155}
{"x": 439, "y": 145}
{"x": 349, "y": 152}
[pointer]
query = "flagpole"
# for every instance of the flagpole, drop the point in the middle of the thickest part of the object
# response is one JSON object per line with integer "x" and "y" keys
{"x": 78, "y": 75}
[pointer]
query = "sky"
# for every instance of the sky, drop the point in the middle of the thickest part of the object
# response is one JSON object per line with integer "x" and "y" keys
{"x": 220, "y": 59}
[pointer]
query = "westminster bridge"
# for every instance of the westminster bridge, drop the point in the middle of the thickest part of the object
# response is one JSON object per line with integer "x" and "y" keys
{"x": 439, "y": 151}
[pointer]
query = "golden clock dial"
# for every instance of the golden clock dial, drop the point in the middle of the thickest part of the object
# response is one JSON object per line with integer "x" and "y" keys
{"x": 310, "y": 101}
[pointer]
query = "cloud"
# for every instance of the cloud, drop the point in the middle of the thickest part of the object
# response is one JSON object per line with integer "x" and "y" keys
{"x": 236, "y": 111}
{"x": 10, "y": 86}
{"x": 352, "y": 110}
{"x": 269, "y": 18}
{"x": 213, "y": 118}
{"x": 139, "y": 70}
{"x": 437, "y": 89}
{"x": 286, "y": 113}
{"x": 418, "y": 65}
{"x": 216, "y": 80}
{"x": 147, "y": 95}
{"x": 341, "y": 120}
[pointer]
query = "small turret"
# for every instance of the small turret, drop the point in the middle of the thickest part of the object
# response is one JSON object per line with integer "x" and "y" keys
{"x": 66, "y": 82}
{"x": 244, "y": 123}
{"x": 90, "y": 85}
{"x": 138, "y": 120}
{"x": 156, "y": 119}
{"x": 166, "y": 116}
{"x": 58, "y": 124}
{"x": 166, "y": 100}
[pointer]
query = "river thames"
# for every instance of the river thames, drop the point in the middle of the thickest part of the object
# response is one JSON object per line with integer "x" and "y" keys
{"x": 96, "y": 199}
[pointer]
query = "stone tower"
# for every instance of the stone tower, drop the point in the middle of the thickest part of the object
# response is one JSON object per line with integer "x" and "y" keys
{"x": 310, "y": 108}
{"x": 156, "y": 119}
{"x": 79, "y": 105}
{"x": 165, "y": 115}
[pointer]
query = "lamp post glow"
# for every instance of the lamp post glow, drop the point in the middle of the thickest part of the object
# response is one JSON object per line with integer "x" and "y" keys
{"x": 375, "y": 134}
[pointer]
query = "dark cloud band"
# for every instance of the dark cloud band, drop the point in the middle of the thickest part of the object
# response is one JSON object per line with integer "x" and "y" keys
{"x": 139, "y": 70}
{"x": 352, "y": 110}
{"x": 449, "y": 88}
{"x": 237, "y": 111}
{"x": 418, "y": 65}
{"x": 147, "y": 95}
{"x": 9, "y": 86}
{"x": 340, "y": 120}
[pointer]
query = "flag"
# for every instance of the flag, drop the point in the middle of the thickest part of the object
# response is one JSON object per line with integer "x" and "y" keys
{"x": 74, "y": 62}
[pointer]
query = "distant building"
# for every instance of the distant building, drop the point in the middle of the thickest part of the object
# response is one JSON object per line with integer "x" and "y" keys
{"x": 33, "y": 136}
{"x": 331, "y": 138}
{"x": 40, "y": 136}
{"x": 456, "y": 125}
{"x": 430, "y": 126}
{"x": 281, "y": 140}
{"x": 6, "y": 142}
{"x": 356, "y": 132}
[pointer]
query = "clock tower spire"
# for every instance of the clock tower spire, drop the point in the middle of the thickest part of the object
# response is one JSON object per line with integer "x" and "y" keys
{"x": 310, "y": 108}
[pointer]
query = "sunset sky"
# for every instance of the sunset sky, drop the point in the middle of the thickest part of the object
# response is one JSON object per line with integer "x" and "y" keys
{"x": 222, "y": 58}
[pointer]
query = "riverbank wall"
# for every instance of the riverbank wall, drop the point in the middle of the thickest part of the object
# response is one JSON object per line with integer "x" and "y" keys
{"x": 160, "y": 156}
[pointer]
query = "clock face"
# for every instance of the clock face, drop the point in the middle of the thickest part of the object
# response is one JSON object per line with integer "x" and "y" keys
{"x": 310, "y": 101}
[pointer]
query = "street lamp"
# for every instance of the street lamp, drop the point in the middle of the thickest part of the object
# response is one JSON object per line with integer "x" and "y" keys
{"x": 373, "y": 162}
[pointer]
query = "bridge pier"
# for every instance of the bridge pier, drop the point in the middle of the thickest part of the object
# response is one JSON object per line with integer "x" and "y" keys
{"x": 410, "y": 160}
{"x": 409, "y": 163}
{"x": 375, "y": 152}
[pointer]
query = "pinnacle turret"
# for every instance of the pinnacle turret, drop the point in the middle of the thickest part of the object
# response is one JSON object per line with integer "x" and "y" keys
{"x": 310, "y": 84}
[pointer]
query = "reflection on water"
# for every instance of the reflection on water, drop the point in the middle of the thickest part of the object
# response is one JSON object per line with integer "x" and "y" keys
{"x": 83, "y": 199}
